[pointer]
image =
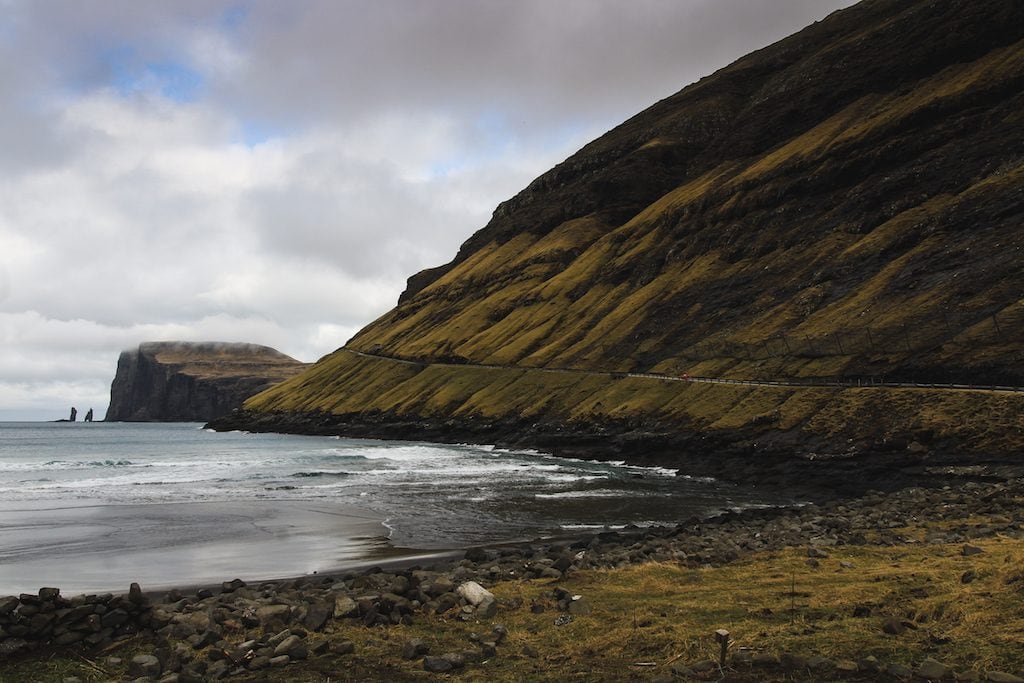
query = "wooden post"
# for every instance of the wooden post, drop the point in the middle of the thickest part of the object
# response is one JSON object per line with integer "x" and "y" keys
{"x": 722, "y": 636}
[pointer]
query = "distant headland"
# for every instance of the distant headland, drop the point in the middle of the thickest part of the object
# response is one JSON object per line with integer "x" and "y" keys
{"x": 192, "y": 381}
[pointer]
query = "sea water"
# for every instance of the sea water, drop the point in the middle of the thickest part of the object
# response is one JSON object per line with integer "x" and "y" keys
{"x": 98, "y": 505}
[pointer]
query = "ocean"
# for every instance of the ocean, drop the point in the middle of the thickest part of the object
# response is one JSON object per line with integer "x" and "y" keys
{"x": 95, "y": 506}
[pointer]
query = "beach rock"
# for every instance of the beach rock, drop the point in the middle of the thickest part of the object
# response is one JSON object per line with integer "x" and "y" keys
{"x": 274, "y": 614}
{"x": 436, "y": 665}
{"x": 135, "y": 595}
{"x": 49, "y": 594}
{"x": 346, "y": 647}
{"x": 1002, "y": 677}
{"x": 259, "y": 662}
{"x": 317, "y": 615}
{"x": 8, "y": 604}
{"x": 476, "y": 555}
{"x": 579, "y": 606}
{"x": 344, "y": 606}
{"x": 285, "y": 646}
{"x": 456, "y": 659}
{"x": 232, "y": 586}
{"x": 819, "y": 663}
{"x": 899, "y": 671}
{"x": 967, "y": 550}
{"x": 487, "y": 609}
{"x": 414, "y": 648}
{"x": 473, "y": 593}
{"x": 893, "y": 626}
{"x": 440, "y": 586}
{"x": 144, "y": 665}
{"x": 279, "y": 661}
{"x": 765, "y": 660}
{"x": 932, "y": 670}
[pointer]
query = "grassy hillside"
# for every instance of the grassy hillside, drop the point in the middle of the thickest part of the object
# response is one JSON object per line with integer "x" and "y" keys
{"x": 845, "y": 203}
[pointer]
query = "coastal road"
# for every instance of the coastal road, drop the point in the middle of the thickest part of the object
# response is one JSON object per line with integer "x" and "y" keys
{"x": 837, "y": 383}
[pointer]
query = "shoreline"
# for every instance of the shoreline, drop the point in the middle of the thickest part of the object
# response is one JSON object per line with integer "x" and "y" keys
{"x": 816, "y": 471}
{"x": 406, "y": 590}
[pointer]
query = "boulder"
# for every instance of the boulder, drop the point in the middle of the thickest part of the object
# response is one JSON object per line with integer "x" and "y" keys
{"x": 317, "y": 615}
{"x": 473, "y": 593}
{"x": 144, "y": 666}
{"x": 932, "y": 670}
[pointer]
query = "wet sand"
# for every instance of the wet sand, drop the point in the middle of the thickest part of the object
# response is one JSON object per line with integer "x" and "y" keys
{"x": 100, "y": 548}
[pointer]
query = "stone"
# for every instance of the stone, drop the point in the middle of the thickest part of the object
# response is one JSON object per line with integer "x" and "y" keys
{"x": 932, "y": 670}
{"x": 436, "y": 665}
{"x": 440, "y": 586}
{"x": 8, "y": 604}
{"x": 317, "y": 615}
{"x": 232, "y": 586}
{"x": 259, "y": 662}
{"x": 487, "y": 609}
{"x": 345, "y": 647}
{"x": 579, "y": 606}
{"x": 792, "y": 661}
{"x": 414, "y": 648}
{"x": 135, "y": 595}
{"x": 819, "y": 663}
{"x": 473, "y": 593}
{"x": 476, "y": 555}
{"x": 69, "y": 638}
{"x": 345, "y": 606}
{"x": 280, "y": 660}
{"x": 893, "y": 626}
{"x": 846, "y": 666}
{"x": 49, "y": 594}
{"x": 764, "y": 660}
{"x": 968, "y": 576}
{"x": 899, "y": 671}
{"x": 293, "y": 646}
{"x": 1002, "y": 677}
{"x": 456, "y": 659}
{"x": 144, "y": 666}
{"x": 967, "y": 550}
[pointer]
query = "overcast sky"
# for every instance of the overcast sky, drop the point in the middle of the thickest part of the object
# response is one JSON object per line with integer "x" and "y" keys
{"x": 271, "y": 172}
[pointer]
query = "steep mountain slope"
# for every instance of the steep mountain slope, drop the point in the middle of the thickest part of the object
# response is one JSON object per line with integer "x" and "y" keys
{"x": 845, "y": 203}
{"x": 192, "y": 381}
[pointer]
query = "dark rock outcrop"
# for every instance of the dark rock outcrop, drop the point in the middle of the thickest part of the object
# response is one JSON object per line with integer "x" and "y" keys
{"x": 192, "y": 381}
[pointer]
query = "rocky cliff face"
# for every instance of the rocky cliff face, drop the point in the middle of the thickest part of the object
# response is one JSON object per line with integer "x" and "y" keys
{"x": 186, "y": 381}
{"x": 844, "y": 204}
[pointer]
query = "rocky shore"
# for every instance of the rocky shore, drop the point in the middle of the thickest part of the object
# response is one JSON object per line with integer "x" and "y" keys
{"x": 239, "y": 630}
{"x": 791, "y": 463}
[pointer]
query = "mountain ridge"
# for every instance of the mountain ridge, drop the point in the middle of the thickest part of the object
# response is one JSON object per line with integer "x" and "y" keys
{"x": 844, "y": 203}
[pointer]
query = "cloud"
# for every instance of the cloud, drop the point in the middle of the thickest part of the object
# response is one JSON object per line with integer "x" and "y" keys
{"x": 251, "y": 170}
